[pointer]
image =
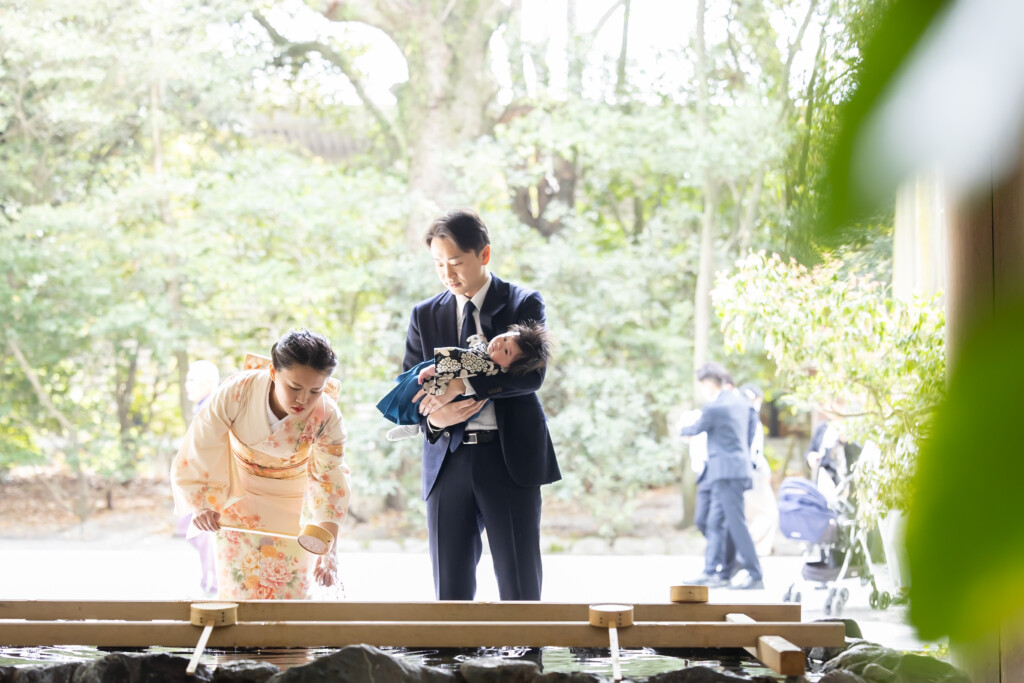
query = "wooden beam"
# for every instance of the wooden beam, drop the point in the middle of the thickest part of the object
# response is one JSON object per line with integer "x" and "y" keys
{"x": 305, "y": 610}
{"x": 414, "y": 634}
{"x": 778, "y": 654}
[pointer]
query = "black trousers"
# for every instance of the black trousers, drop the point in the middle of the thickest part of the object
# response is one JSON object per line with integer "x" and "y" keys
{"x": 727, "y": 522}
{"x": 474, "y": 492}
{"x": 728, "y": 564}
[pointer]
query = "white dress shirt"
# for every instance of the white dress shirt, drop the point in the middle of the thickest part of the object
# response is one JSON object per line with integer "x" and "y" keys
{"x": 485, "y": 419}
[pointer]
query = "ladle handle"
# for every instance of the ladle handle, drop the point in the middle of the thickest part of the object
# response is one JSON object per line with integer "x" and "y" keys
{"x": 261, "y": 532}
{"x": 200, "y": 646}
{"x": 613, "y": 641}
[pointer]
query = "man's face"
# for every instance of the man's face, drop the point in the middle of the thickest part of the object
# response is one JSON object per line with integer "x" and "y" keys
{"x": 710, "y": 389}
{"x": 461, "y": 272}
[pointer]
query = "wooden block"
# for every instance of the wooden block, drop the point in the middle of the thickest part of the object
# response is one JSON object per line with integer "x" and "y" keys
{"x": 778, "y": 654}
{"x": 688, "y": 593}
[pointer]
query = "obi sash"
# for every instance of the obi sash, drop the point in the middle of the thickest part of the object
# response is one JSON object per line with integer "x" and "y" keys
{"x": 249, "y": 461}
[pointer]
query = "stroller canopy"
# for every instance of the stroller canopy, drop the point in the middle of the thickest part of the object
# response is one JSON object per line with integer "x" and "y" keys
{"x": 804, "y": 514}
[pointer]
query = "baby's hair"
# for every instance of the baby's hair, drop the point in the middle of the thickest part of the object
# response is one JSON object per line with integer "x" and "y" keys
{"x": 535, "y": 343}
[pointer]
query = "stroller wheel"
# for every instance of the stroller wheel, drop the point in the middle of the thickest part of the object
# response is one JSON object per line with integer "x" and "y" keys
{"x": 884, "y": 600}
{"x": 840, "y": 602}
{"x": 797, "y": 597}
{"x": 829, "y": 599}
{"x": 838, "y": 606}
{"x": 788, "y": 594}
{"x": 873, "y": 599}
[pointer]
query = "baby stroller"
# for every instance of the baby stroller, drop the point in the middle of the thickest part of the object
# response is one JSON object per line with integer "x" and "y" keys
{"x": 835, "y": 550}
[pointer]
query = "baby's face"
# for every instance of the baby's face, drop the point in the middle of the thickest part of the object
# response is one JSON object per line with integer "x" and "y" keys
{"x": 504, "y": 349}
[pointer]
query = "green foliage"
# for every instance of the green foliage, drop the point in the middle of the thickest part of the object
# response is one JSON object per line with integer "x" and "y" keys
{"x": 964, "y": 559}
{"x": 145, "y": 226}
{"x": 620, "y": 326}
{"x": 838, "y": 341}
{"x": 890, "y": 30}
{"x": 963, "y": 546}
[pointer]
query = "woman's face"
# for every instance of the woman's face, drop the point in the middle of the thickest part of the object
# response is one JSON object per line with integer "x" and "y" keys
{"x": 297, "y": 388}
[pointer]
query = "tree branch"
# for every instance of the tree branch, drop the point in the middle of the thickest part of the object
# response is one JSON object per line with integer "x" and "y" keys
{"x": 604, "y": 19}
{"x": 396, "y": 145}
{"x": 795, "y": 47}
{"x": 620, "y": 71}
{"x": 41, "y": 394}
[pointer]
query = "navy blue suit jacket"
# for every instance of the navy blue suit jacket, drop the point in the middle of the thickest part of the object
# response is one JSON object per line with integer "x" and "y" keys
{"x": 730, "y": 423}
{"x": 522, "y": 425}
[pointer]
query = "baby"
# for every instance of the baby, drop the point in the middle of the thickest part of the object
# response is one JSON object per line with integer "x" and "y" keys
{"x": 522, "y": 349}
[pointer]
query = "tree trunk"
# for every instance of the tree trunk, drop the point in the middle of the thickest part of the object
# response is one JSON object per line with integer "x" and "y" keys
{"x": 444, "y": 103}
{"x": 751, "y": 210}
{"x": 705, "y": 277}
{"x": 620, "y": 70}
{"x": 81, "y": 503}
{"x": 124, "y": 390}
{"x": 706, "y": 268}
{"x": 167, "y": 218}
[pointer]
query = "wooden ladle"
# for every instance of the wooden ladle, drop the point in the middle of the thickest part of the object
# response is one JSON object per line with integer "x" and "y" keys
{"x": 314, "y": 539}
{"x": 209, "y": 615}
{"x": 612, "y": 617}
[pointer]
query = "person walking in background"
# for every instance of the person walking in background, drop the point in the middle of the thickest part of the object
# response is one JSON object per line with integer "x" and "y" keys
{"x": 267, "y": 453}
{"x": 200, "y": 382}
{"x": 762, "y": 511}
{"x": 485, "y": 458}
{"x": 729, "y": 422}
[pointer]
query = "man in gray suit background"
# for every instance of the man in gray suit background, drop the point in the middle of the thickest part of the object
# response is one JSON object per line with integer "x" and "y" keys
{"x": 730, "y": 425}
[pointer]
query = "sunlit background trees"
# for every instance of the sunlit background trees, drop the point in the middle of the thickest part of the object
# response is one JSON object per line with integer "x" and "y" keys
{"x": 185, "y": 179}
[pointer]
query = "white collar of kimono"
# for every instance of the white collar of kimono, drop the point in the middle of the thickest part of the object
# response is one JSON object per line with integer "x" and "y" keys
{"x": 273, "y": 420}
{"x": 478, "y": 298}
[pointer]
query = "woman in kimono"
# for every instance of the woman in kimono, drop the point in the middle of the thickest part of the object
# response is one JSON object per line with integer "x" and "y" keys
{"x": 267, "y": 453}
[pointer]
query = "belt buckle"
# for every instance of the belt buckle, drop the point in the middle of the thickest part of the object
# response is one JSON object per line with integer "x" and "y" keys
{"x": 470, "y": 438}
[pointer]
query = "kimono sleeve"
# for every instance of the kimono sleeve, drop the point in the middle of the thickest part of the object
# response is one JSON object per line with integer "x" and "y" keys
{"x": 327, "y": 484}
{"x": 203, "y": 476}
{"x": 452, "y": 362}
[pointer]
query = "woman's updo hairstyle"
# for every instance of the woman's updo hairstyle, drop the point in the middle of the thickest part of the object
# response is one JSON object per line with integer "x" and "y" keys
{"x": 302, "y": 347}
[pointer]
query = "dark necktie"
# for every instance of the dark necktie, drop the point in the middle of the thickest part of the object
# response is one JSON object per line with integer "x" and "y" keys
{"x": 468, "y": 324}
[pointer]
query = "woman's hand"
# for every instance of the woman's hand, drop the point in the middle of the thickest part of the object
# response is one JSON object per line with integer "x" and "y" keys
{"x": 206, "y": 520}
{"x": 426, "y": 372}
{"x": 326, "y": 570}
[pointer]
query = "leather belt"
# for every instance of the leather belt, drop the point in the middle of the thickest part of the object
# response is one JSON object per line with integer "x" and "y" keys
{"x": 479, "y": 436}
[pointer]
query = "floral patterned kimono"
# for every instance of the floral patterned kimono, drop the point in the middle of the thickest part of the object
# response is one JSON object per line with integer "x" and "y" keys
{"x": 278, "y": 481}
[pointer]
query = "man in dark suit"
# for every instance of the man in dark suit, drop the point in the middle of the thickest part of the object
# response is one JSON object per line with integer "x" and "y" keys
{"x": 485, "y": 457}
{"x": 730, "y": 423}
